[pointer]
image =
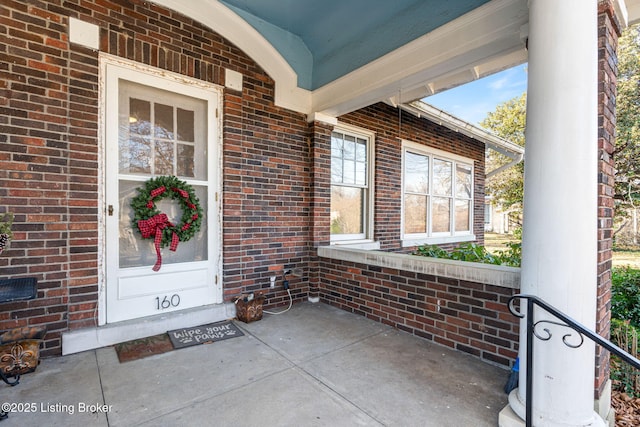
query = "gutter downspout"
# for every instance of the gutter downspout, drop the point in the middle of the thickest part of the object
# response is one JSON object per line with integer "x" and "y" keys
{"x": 421, "y": 109}
{"x": 514, "y": 162}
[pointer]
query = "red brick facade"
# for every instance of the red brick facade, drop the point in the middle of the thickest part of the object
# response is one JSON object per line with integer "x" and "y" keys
{"x": 50, "y": 156}
{"x": 276, "y": 180}
{"x": 608, "y": 33}
{"x": 391, "y": 128}
{"x": 467, "y": 316}
{"x": 275, "y": 165}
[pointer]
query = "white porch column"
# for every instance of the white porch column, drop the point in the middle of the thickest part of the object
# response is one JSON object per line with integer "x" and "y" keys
{"x": 559, "y": 260}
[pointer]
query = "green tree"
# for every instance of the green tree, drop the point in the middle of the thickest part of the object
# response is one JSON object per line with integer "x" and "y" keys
{"x": 507, "y": 121}
{"x": 627, "y": 149}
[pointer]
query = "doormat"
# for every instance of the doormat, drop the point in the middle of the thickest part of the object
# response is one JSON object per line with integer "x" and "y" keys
{"x": 212, "y": 332}
{"x": 143, "y": 347}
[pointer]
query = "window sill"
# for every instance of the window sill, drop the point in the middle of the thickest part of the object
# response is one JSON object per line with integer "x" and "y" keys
{"x": 438, "y": 240}
{"x": 357, "y": 244}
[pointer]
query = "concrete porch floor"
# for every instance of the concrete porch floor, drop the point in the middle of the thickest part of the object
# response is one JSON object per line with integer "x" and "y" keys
{"x": 315, "y": 365}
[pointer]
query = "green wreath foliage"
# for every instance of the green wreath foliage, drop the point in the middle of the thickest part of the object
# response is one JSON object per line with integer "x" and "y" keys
{"x": 144, "y": 207}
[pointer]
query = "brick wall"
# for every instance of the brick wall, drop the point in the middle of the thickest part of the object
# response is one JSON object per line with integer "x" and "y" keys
{"x": 320, "y": 148}
{"x": 391, "y": 128}
{"x": 467, "y": 316}
{"x": 50, "y": 158}
{"x": 275, "y": 164}
{"x": 266, "y": 215}
{"x": 48, "y": 168}
{"x": 608, "y": 33}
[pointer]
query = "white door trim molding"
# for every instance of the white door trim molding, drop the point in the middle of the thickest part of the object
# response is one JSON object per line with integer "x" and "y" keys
{"x": 215, "y": 170}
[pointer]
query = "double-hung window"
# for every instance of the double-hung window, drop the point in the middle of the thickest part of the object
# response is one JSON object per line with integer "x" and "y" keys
{"x": 437, "y": 196}
{"x": 351, "y": 185}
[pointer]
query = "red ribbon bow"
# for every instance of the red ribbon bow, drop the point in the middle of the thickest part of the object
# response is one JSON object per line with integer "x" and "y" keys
{"x": 153, "y": 227}
{"x": 185, "y": 196}
{"x": 155, "y": 193}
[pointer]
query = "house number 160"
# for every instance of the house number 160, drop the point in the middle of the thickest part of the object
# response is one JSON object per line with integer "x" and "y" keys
{"x": 167, "y": 302}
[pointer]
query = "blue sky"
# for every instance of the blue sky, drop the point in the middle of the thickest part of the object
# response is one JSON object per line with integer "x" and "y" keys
{"x": 472, "y": 102}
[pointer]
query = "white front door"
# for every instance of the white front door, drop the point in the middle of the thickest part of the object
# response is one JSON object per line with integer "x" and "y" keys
{"x": 159, "y": 125}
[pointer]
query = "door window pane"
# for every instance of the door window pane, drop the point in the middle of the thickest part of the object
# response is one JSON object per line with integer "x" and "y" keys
{"x": 136, "y": 251}
{"x": 139, "y": 116}
{"x": 185, "y": 160}
{"x": 185, "y": 125}
{"x": 135, "y": 155}
{"x": 164, "y": 158}
{"x": 164, "y": 121}
{"x": 162, "y": 133}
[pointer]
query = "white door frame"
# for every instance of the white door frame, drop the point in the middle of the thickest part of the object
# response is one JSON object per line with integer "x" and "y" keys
{"x": 214, "y": 138}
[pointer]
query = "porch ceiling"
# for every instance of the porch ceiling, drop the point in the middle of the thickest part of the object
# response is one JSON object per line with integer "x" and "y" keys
{"x": 335, "y": 56}
{"x": 336, "y": 37}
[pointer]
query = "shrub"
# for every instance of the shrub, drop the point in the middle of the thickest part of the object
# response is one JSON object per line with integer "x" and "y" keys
{"x": 512, "y": 256}
{"x": 475, "y": 253}
{"x": 623, "y": 376}
{"x": 625, "y": 313}
{"x": 625, "y": 294}
{"x": 431, "y": 251}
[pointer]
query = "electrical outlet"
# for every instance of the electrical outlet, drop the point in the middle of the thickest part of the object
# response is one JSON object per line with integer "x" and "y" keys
{"x": 273, "y": 281}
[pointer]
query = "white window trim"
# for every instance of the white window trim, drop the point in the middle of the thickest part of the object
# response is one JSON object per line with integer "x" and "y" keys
{"x": 428, "y": 238}
{"x": 363, "y": 240}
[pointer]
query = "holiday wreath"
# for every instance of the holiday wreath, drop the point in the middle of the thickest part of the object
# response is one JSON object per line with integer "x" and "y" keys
{"x": 156, "y": 225}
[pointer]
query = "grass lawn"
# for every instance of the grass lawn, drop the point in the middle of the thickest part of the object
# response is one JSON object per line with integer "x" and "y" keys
{"x": 626, "y": 257}
{"x": 495, "y": 242}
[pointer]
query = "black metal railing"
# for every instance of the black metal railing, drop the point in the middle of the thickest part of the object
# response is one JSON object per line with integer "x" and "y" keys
{"x": 566, "y": 321}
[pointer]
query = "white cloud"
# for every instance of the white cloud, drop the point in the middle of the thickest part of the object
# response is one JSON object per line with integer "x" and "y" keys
{"x": 500, "y": 83}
